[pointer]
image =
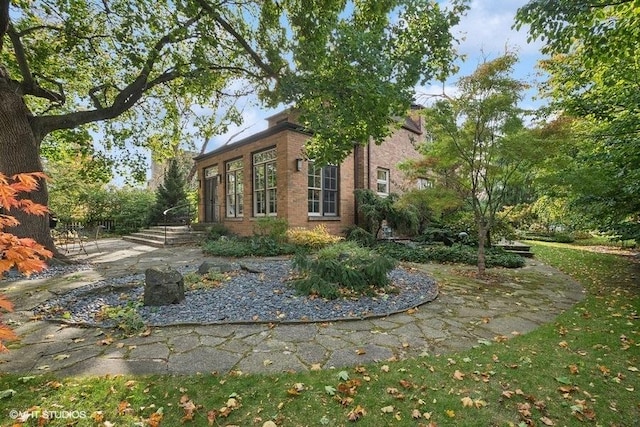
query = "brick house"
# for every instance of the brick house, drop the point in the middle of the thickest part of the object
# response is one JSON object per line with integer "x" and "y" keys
{"x": 266, "y": 174}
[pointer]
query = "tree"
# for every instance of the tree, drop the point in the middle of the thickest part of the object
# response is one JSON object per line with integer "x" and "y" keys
{"x": 592, "y": 77}
{"x": 124, "y": 67}
{"x": 171, "y": 193}
{"x": 480, "y": 146}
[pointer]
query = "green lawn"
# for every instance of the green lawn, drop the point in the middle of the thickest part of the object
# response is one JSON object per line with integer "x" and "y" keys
{"x": 582, "y": 369}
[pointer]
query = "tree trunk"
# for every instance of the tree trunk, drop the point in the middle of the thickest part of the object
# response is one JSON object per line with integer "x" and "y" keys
{"x": 482, "y": 240}
{"x": 20, "y": 153}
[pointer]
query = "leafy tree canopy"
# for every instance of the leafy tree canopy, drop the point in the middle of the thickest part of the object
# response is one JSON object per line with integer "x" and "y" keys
{"x": 480, "y": 147}
{"x": 349, "y": 65}
{"x": 592, "y": 68}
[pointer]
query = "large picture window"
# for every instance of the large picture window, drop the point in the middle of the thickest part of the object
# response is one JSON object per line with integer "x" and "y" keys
{"x": 265, "y": 183}
{"x": 322, "y": 197}
{"x": 235, "y": 188}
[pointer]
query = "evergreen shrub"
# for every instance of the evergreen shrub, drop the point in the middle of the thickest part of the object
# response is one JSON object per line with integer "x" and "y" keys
{"x": 342, "y": 269}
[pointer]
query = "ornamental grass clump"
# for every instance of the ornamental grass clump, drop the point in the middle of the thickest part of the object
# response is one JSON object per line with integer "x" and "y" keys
{"x": 316, "y": 238}
{"x": 343, "y": 269}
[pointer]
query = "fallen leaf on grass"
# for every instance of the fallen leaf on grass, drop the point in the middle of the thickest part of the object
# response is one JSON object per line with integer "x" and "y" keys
{"x": 387, "y": 409}
{"x": 357, "y": 413}
{"x": 547, "y": 421}
{"x": 508, "y": 394}
{"x": 124, "y": 407}
{"x": 458, "y": 375}
{"x": 467, "y": 402}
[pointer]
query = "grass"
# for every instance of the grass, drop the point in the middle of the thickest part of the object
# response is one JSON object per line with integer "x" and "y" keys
{"x": 581, "y": 369}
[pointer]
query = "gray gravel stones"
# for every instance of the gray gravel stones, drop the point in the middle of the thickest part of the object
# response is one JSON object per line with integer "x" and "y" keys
{"x": 246, "y": 298}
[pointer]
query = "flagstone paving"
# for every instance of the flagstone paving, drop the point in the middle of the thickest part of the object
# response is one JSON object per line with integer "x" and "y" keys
{"x": 462, "y": 316}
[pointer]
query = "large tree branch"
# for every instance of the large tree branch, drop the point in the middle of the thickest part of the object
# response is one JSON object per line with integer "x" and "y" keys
{"x": 269, "y": 71}
{"x": 28, "y": 85}
{"x": 124, "y": 100}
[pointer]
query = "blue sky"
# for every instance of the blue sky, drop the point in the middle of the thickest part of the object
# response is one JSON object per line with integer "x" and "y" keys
{"x": 485, "y": 31}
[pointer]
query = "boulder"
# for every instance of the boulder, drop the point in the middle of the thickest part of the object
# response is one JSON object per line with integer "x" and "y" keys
{"x": 216, "y": 267}
{"x": 163, "y": 286}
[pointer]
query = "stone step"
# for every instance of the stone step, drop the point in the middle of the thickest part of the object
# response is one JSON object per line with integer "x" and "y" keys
{"x": 526, "y": 254}
{"x": 156, "y": 236}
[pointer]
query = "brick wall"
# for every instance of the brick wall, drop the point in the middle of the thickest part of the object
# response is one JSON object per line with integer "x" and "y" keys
{"x": 357, "y": 171}
{"x": 397, "y": 148}
{"x": 291, "y": 184}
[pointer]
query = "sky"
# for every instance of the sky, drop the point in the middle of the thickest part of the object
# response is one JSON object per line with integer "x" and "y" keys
{"x": 485, "y": 32}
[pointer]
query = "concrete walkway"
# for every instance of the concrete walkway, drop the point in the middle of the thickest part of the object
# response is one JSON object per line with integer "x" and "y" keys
{"x": 462, "y": 316}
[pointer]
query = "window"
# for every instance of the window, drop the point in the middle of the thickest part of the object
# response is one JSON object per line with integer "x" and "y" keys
{"x": 235, "y": 189}
{"x": 322, "y": 197}
{"x": 264, "y": 183}
{"x": 424, "y": 183}
{"x": 210, "y": 172}
{"x": 382, "y": 186}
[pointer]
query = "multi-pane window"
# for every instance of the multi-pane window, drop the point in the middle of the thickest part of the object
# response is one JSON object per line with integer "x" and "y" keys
{"x": 382, "y": 182}
{"x": 235, "y": 188}
{"x": 424, "y": 183}
{"x": 322, "y": 197}
{"x": 264, "y": 183}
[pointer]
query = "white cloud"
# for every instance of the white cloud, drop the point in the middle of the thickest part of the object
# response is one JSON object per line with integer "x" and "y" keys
{"x": 487, "y": 28}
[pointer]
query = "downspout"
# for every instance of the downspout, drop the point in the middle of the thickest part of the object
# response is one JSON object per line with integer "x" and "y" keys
{"x": 355, "y": 185}
{"x": 369, "y": 165}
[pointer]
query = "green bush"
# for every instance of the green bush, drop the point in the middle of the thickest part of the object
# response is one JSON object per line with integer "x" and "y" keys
{"x": 343, "y": 268}
{"x": 248, "y": 246}
{"x": 457, "y": 253}
{"x": 235, "y": 248}
{"x": 359, "y": 235}
{"x": 215, "y": 231}
{"x": 272, "y": 227}
{"x": 550, "y": 237}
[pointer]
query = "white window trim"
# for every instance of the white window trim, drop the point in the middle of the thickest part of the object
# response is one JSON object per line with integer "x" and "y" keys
{"x": 322, "y": 189}
{"x": 237, "y": 196}
{"x": 386, "y": 182}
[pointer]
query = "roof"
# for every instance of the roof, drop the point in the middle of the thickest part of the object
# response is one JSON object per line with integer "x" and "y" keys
{"x": 280, "y": 127}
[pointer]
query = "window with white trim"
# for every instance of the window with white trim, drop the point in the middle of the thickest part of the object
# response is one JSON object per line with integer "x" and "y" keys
{"x": 264, "y": 183}
{"x": 382, "y": 182}
{"x": 235, "y": 188}
{"x": 423, "y": 183}
{"x": 323, "y": 186}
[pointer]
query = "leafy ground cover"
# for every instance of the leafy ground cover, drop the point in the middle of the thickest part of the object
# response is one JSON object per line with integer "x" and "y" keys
{"x": 581, "y": 369}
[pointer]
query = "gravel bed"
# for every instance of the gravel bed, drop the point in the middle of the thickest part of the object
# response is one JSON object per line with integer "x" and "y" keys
{"x": 57, "y": 270}
{"x": 246, "y": 297}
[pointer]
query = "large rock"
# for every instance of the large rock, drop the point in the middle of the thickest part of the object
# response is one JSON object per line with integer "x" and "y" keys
{"x": 163, "y": 286}
{"x": 216, "y": 267}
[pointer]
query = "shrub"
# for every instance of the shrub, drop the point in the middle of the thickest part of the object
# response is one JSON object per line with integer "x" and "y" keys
{"x": 359, "y": 235}
{"x": 457, "y": 253}
{"x": 232, "y": 247}
{"x": 252, "y": 246}
{"x": 269, "y": 226}
{"x": 215, "y": 231}
{"x": 378, "y": 210}
{"x": 342, "y": 268}
{"x": 313, "y": 239}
